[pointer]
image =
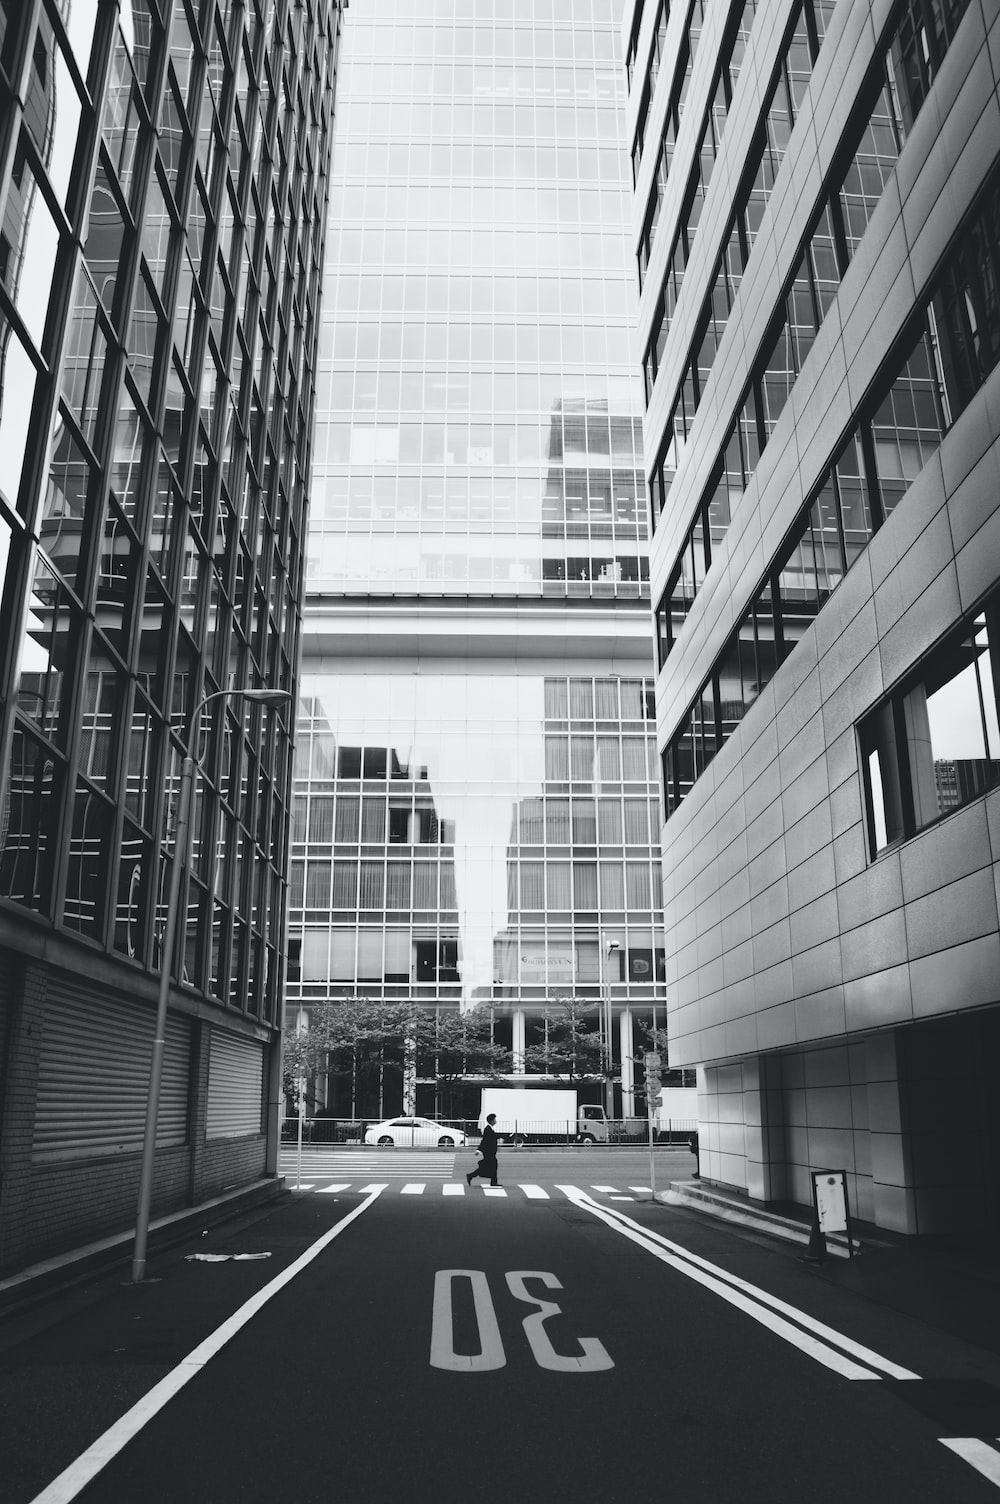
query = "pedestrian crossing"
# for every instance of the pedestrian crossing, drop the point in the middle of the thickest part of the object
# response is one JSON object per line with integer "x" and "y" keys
{"x": 383, "y": 1164}
{"x": 520, "y": 1191}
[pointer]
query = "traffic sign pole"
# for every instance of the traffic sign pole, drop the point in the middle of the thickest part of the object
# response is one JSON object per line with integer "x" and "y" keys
{"x": 652, "y": 1069}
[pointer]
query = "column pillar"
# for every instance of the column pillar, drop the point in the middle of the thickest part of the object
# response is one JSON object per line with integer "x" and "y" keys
{"x": 626, "y": 1045}
{"x": 892, "y": 1170}
{"x": 517, "y": 1040}
{"x": 764, "y": 1129}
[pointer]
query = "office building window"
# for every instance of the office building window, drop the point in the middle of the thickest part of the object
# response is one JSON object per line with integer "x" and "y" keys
{"x": 934, "y": 744}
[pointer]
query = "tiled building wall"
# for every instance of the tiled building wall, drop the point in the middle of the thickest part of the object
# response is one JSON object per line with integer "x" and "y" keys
{"x": 904, "y": 1112}
{"x": 784, "y": 931}
{"x": 781, "y": 927}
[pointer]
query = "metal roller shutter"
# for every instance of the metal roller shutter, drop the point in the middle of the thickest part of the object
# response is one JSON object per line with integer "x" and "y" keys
{"x": 235, "y": 1086}
{"x": 93, "y": 1075}
{"x": 6, "y": 1012}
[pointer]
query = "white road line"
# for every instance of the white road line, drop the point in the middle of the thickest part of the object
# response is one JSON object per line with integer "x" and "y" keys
{"x": 73, "y": 1479}
{"x": 978, "y": 1454}
{"x": 494, "y": 1190}
{"x": 453, "y": 1190}
{"x": 647, "y": 1188}
{"x": 623, "y": 1198}
{"x": 856, "y": 1349}
{"x": 809, "y": 1335}
{"x": 328, "y": 1190}
{"x": 302, "y": 1185}
{"x": 414, "y": 1189}
{"x": 604, "y": 1188}
{"x": 535, "y": 1193}
{"x": 374, "y": 1188}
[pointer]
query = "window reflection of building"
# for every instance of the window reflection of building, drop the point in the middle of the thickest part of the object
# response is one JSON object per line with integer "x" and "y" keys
{"x": 373, "y": 893}
{"x": 590, "y": 502}
{"x": 513, "y": 901}
{"x": 582, "y": 871}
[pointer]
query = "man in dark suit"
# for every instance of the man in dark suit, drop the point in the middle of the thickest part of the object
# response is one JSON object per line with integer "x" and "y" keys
{"x": 488, "y": 1149}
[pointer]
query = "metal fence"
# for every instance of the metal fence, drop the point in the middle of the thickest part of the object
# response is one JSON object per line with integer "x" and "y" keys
{"x": 444, "y": 1132}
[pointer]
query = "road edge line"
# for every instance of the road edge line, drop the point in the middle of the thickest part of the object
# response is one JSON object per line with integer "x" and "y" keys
{"x": 809, "y": 1345}
{"x": 83, "y": 1469}
{"x": 809, "y": 1323}
{"x": 977, "y": 1453}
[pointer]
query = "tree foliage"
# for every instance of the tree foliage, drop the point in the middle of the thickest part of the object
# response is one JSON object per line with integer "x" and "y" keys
{"x": 571, "y": 1046}
{"x": 359, "y": 1039}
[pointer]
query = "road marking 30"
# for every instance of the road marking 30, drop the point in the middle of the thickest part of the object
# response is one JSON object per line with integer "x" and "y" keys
{"x": 592, "y": 1358}
{"x": 443, "y": 1355}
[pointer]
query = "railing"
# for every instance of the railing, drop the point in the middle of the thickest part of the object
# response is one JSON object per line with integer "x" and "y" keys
{"x": 628, "y": 1132}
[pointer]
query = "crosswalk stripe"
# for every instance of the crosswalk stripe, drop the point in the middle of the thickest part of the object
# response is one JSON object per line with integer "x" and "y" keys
{"x": 647, "y": 1188}
{"x": 453, "y": 1188}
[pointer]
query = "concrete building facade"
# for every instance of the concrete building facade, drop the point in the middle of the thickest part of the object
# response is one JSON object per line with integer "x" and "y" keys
{"x": 163, "y": 209}
{"x": 816, "y": 225}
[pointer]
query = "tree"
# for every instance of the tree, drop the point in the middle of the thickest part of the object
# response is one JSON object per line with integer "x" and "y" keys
{"x": 455, "y": 1045}
{"x": 372, "y": 1044}
{"x": 645, "y": 1038}
{"x": 572, "y": 1047}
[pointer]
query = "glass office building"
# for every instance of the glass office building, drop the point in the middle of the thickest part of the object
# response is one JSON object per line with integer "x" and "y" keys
{"x": 163, "y": 211}
{"x": 818, "y": 201}
{"x": 476, "y": 815}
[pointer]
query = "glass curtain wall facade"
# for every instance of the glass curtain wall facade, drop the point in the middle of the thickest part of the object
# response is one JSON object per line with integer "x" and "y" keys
{"x": 163, "y": 210}
{"x": 475, "y": 791}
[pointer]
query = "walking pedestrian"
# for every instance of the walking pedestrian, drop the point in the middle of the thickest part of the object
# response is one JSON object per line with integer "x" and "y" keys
{"x": 488, "y": 1154}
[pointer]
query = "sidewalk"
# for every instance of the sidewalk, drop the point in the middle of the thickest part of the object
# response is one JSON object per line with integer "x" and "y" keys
{"x": 65, "y": 1269}
{"x": 952, "y": 1284}
{"x": 76, "y": 1355}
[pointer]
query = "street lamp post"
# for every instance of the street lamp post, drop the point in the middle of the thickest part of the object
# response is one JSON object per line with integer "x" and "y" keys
{"x": 609, "y": 1083}
{"x": 256, "y": 697}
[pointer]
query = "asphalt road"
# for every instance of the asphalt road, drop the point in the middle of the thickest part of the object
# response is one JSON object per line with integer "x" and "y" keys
{"x": 551, "y": 1343}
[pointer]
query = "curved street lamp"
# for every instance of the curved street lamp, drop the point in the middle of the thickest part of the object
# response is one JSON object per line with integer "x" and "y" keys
{"x": 190, "y": 762}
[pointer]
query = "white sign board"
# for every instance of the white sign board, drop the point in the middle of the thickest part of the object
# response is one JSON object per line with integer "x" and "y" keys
{"x": 830, "y": 1191}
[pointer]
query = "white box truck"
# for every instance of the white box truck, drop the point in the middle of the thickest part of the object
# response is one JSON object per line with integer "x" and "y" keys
{"x": 528, "y": 1115}
{"x": 677, "y": 1115}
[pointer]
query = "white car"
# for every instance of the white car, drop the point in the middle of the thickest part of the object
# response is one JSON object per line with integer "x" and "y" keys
{"x": 420, "y": 1133}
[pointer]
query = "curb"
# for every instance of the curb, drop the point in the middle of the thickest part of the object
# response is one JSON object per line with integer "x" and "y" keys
{"x": 76, "y": 1264}
{"x": 728, "y": 1209}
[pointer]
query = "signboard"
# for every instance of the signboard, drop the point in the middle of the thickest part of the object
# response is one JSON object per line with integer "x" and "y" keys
{"x": 830, "y": 1198}
{"x": 555, "y": 967}
{"x": 651, "y": 1063}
